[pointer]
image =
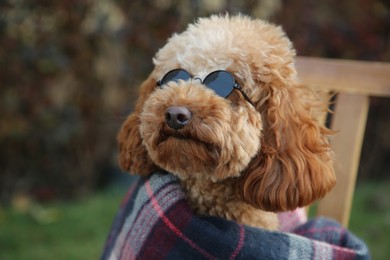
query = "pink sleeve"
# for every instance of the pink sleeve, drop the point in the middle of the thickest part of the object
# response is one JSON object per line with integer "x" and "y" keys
{"x": 290, "y": 219}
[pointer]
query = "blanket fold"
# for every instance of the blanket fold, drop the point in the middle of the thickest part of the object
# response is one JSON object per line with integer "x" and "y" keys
{"x": 156, "y": 222}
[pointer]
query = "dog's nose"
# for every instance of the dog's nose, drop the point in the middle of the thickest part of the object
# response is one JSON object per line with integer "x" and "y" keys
{"x": 177, "y": 117}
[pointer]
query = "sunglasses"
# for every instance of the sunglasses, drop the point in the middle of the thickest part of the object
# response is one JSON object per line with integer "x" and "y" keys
{"x": 221, "y": 81}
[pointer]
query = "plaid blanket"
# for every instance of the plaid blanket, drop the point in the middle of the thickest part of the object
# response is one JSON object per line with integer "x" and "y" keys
{"x": 156, "y": 222}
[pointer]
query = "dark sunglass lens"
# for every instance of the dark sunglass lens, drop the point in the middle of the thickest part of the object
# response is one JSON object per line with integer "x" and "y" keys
{"x": 175, "y": 75}
{"x": 221, "y": 82}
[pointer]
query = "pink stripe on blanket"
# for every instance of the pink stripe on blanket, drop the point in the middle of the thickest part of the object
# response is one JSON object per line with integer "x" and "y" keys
{"x": 240, "y": 243}
{"x": 134, "y": 235}
{"x": 171, "y": 226}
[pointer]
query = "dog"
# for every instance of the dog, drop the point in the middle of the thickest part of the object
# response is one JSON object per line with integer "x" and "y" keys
{"x": 223, "y": 111}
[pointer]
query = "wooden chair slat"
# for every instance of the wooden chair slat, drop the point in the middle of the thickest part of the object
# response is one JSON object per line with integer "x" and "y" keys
{"x": 360, "y": 77}
{"x": 349, "y": 120}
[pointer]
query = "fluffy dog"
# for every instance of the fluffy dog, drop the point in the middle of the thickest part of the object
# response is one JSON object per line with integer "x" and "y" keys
{"x": 235, "y": 128}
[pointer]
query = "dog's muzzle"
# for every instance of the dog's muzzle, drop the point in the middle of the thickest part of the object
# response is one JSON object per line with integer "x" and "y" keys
{"x": 177, "y": 117}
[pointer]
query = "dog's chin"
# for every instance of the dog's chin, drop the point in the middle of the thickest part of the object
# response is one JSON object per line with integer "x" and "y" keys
{"x": 184, "y": 137}
{"x": 186, "y": 156}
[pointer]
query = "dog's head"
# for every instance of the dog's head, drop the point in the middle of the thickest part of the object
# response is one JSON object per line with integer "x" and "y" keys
{"x": 200, "y": 124}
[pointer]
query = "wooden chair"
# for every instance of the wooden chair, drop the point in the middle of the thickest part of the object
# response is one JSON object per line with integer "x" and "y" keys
{"x": 354, "y": 82}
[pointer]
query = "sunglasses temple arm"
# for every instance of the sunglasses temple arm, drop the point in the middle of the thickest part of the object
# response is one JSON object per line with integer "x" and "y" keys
{"x": 238, "y": 87}
{"x": 247, "y": 98}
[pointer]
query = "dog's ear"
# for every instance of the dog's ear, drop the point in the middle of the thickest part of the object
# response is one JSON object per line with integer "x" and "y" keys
{"x": 133, "y": 156}
{"x": 294, "y": 166}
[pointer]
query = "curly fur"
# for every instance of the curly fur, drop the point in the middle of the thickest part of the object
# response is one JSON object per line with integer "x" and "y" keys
{"x": 234, "y": 160}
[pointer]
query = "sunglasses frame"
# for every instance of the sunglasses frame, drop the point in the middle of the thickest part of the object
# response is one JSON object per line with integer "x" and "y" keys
{"x": 236, "y": 86}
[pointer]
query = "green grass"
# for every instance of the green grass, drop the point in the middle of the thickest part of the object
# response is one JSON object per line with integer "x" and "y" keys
{"x": 78, "y": 230}
{"x": 370, "y": 217}
{"x": 59, "y": 230}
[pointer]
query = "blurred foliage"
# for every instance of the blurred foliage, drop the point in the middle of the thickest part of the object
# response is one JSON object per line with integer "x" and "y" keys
{"x": 66, "y": 71}
{"x": 350, "y": 29}
{"x": 70, "y": 71}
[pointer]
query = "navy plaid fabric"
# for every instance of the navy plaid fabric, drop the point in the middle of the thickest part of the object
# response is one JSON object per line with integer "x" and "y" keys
{"x": 155, "y": 222}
